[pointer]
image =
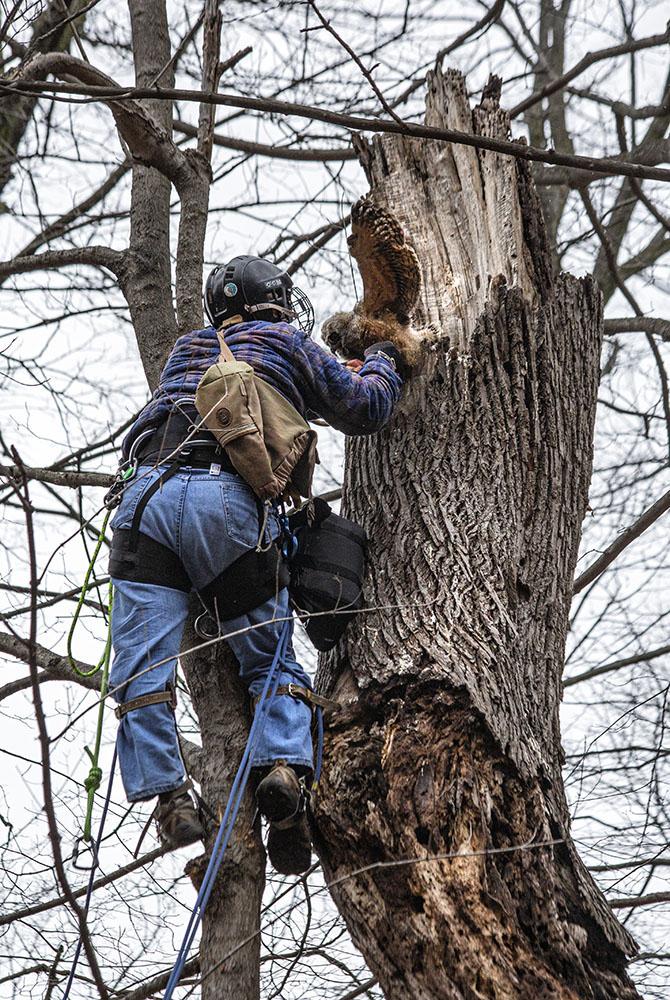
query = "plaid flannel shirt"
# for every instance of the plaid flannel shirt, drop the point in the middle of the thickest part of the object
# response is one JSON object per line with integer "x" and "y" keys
{"x": 310, "y": 377}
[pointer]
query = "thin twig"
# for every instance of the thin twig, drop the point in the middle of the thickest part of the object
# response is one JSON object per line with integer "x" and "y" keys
{"x": 54, "y": 833}
{"x": 348, "y": 49}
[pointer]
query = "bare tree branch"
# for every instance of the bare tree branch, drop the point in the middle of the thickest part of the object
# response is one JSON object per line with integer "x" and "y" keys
{"x": 274, "y": 152}
{"x": 113, "y": 260}
{"x": 621, "y": 108}
{"x": 604, "y": 165}
{"x": 61, "y": 225}
{"x": 589, "y": 59}
{"x": 133, "y": 866}
{"x": 58, "y": 666}
{"x": 350, "y": 52}
{"x": 607, "y": 668}
{"x": 635, "y": 901}
{"x": 151, "y": 987}
{"x": 639, "y": 324}
{"x": 147, "y": 141}
{"x": 623, "y": 541}
{"x": 73, "y": 480}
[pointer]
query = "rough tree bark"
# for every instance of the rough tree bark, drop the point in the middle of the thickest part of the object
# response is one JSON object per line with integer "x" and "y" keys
{"x": 148, "y": 281}
{"x": 230, "y": 943}
{"x": 473, "y": 499}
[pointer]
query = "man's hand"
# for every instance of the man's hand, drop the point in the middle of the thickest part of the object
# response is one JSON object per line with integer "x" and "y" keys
{"x": 353, "y": 364}
{"x": 389, "y": 351}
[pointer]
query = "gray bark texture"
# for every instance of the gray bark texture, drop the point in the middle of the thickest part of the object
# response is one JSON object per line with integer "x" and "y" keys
{"x": 148, "y": 282}
{"x": 230, "y": 942}
{"x": 473, "y": 496}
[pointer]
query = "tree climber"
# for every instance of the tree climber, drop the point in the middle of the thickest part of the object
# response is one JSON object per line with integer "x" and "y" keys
{"x": 187, "y": 515}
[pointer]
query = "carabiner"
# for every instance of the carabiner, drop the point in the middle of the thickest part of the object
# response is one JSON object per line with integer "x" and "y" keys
{"x": 75, "y": 856}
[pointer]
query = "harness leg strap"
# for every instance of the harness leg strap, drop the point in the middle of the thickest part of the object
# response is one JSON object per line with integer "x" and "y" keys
{"x": 305, "y": 695}
{"x": 154, "y": 698}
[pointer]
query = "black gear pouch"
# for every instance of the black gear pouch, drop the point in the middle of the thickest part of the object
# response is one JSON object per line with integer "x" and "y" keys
{"x": 326, "y": 572}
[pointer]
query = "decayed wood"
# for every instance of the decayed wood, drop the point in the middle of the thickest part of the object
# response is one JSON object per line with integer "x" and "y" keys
{"x": 473, "y": 499}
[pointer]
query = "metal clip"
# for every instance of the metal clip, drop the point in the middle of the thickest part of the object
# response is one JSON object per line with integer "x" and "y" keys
{"x": 206, "y": 626}
{"x": 75, "y": 856}
{"x": 114, "y": 495}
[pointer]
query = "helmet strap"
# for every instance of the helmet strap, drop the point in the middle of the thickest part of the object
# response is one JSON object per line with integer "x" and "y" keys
{"x": 267, "y": 306}
{"x": 230, "y": 321}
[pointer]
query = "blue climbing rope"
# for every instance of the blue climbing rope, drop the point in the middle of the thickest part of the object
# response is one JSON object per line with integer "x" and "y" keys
{"x": 233, "y": 805}
{"x": 319, "y": 747}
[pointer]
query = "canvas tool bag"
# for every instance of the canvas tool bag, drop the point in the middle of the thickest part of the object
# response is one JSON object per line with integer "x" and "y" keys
{"x": 271, "y": 446}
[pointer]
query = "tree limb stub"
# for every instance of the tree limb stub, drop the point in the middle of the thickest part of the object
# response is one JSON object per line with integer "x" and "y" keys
{"x": 603, "y": 166}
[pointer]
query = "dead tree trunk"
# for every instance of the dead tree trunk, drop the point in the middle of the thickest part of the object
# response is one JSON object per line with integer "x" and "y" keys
{"x": 473, "y": 500}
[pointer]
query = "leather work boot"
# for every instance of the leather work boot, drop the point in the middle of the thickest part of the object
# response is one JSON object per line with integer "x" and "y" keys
{"x": 282, "y": 800}
{"x": 178, "y": 820}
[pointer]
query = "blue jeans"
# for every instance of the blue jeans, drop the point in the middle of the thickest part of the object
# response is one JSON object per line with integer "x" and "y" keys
{"x": 208, "y": 520}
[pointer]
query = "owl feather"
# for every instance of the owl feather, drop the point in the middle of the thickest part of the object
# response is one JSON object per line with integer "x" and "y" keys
{"x": 391, "y": 277}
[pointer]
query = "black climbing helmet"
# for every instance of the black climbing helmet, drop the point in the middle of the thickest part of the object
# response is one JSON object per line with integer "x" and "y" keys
{"x": 255, "y": 289}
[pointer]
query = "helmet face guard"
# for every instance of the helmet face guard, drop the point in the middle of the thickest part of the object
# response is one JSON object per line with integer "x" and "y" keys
{"x": 255, "y": 289}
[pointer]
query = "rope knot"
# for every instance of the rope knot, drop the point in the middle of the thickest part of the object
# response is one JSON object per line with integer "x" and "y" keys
{"x": 92, "y": 782}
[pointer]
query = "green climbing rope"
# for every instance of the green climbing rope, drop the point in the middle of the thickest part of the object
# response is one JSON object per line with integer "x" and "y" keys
{"x": 124, "y": 476}
{"x": 80, "y": 604}
{"x": 92, "y": 782}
